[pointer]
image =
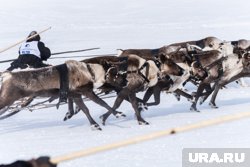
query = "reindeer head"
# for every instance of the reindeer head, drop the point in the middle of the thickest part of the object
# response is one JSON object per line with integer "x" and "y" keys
{"x": 197, "y": 70}
{"x": 246, "y": 61}
{"x": 240, "y": 52}
{"x": 211, "y": 43}
{"x": 116, "y": 74}
{"x": 169, "y": 67}
{"x": 243, "y": 43}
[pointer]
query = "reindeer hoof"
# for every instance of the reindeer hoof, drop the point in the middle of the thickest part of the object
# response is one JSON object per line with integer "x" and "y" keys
{"x": 213, "y": 105}
{"x": 177, "y": 96}
{"x": 77, "y": 109}
{"x": 95, "y": 127}
{"x": 193, "y": 94}
{"x": 103, "y": 119}
{"x": 191, "y": 99}
{"x": 193, "y": 108}
{"x": 67, "y": 116}
{"x": 119, "y": 114}
{"x": 143, "y": 123}
{"x": 142, "y": 107}
{"x": 201, "y": 101}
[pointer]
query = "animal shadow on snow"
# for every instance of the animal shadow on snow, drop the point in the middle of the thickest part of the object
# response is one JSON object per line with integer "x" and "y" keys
{"x": 16, "y": 125}
{"x": 230, "y": 102}
{"x": 152, "y": 112}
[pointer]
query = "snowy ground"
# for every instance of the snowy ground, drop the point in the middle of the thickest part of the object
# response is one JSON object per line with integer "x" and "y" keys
{"x": 113, "y": 24}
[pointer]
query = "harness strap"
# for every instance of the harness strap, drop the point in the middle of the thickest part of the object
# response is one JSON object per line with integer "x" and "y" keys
{"x": 91, "y": 72}
{"x": 219, "y": 61}
{"x": 147, "y": 71}
{"x": 157, "y": 63}
{"x": 64, "y": 83}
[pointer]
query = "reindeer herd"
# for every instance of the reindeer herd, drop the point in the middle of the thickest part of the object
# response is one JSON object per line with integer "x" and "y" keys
{"x": 209, "y": 63}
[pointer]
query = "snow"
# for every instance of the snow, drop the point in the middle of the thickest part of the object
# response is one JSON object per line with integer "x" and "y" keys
{"x": 112, "y": 24}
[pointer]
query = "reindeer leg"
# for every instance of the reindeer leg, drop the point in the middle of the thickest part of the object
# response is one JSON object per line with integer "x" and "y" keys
{"x": 157, "y": 92}
{"x": 85, "y": 109}
{"x": 70, "y": 112}
{"x": 198, "y": 93}
{"x": 5, "y": 102}
{"x": 212, "y": 101}
{"x": 92, "y": 96}
{"x": 209, "y": 90}
{"x": 4, "y": 106}
{"x": 143, "y": 104}
{"x": 120, "y": 97}
{"x": 182, "y": 93}
{"x": 134, "y": 103}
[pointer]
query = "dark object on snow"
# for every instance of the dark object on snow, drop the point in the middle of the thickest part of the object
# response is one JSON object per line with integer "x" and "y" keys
{"x": 39, "y": 162}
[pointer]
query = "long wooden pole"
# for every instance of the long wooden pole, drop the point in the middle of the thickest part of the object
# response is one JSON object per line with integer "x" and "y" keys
{"x": 6, "y": 61}
{"x": 24, "y": 40}
{"x": 74, "y": 51}
{"x": 64, "y": 57}
{"x": 167, "y": 132}
{"x": 10, "y": 60}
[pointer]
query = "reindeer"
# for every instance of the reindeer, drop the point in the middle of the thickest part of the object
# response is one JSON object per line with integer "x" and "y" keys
{"x": 225, "y": 68}
{"x": 116, "y": 68}
{"x": 235, "y": 50}
{"x": 234, "y": 67}
{"x": 142, "y": 74}
{"x": 208, "y": 43}
{"x": 16, "y": 85}
{"x": 242, "y": 45}
{"x": 192, "y": 68}
{"x": 171, "y": 83}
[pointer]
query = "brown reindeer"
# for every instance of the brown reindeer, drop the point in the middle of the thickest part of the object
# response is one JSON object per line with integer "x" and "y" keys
{"x": 142, "y": 74}
{"x": 208, "y": 43}
{"x": 115, "y": 67}
{"x": 172, "y": 52}
{"x": 241, "y": 44}
{"x": 234, "y": 67}
{"x": 235, "y": 53}
{"x": 16, "y": 85}
{"x": 208, "y": 66}
{"x": 171, "y": 84}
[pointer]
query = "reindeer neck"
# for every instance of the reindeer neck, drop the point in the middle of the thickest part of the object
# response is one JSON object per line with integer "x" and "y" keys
{"x": 232, "y": 67}
{"x": 98, "y": 74}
